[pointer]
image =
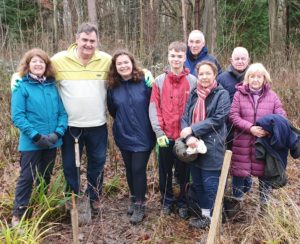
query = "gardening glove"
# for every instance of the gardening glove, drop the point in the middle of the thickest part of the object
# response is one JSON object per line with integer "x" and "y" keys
{"x": 15, "y": 81}
{"x": 53, "y": 137}
{"x": 149, "y": 80}
{"x": 163, "y": 141}
{"x": 42, "y": 141}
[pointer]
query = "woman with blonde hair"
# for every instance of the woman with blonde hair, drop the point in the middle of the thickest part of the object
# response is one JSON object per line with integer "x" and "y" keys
{"x": 38, "y": 112}
{"x": 253, "y": 100}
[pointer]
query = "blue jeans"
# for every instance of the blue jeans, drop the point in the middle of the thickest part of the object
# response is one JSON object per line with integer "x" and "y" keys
{"x": 206, "y": 185}
{"x": 31, "y": 162}
{"x": 241, "y": 185}
{"x": 136, "y": 166}
{"x": 95, "y": 141}
{"x": 167, "y": 161}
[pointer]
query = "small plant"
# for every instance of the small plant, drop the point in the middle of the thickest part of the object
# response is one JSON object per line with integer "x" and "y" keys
{"x": 32, "y": 230}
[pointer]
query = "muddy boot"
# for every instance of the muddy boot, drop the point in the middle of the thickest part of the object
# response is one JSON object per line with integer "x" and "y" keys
{"x": 200, "y": 223}
{"x": 138, "y": 214}
{"x": 231, "y": 207}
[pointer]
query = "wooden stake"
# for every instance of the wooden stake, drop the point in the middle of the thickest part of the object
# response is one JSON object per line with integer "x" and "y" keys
{"x": 216, "y": 220}
{"x": 74, "y": 219}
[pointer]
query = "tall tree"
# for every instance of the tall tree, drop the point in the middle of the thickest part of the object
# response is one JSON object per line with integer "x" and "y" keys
{"x": 92, "y": 11}
{"x": 277, "y": 26}
{"x": 210, "y": 24}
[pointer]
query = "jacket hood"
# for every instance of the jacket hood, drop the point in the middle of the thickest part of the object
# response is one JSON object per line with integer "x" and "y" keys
{"x": 174, "y": 77}
{"x": 202, "y": 54}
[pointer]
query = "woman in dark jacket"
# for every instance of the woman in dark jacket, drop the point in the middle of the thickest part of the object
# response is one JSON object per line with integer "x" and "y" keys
{"x": 204, "y": 118}
{"x": 128, "y": 98}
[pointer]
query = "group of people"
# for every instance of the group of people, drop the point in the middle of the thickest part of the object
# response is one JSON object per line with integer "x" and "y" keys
{"x": 192, "y": 99}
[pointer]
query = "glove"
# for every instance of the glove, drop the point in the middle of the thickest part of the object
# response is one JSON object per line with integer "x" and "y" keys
{"x": 163, "y": 141}
{"x": 43, "y": 142}
{"x": 53, "y": 137}
{"x": 149, "y": 80}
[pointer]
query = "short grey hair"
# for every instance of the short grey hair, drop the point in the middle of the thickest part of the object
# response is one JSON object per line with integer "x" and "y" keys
{"x": 87, "y": 28}
{"x": 198, "y": 32}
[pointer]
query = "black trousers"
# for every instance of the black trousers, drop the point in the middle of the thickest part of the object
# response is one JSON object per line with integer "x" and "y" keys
{"x": 136, "y": 166}
{"x": 167, "y": 160}
{"x": 31, "y": 162}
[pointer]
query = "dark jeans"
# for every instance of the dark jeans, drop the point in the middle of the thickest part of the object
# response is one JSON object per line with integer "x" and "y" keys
{"x": 31, "y": 162}
{"x": 167, "y": 161}
{"x": 241, "y": 185}
{"x": 95, "y": 141}
{"x": 206, "y": 185}
{"x": 136, "y": 165}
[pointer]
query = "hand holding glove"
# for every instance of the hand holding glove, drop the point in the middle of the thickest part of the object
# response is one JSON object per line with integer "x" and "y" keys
{"x": 163, "y": 141}
{"x": 42, "y": 141}
{"x": 149, "y": 80}
{"x": 53, "y": 137}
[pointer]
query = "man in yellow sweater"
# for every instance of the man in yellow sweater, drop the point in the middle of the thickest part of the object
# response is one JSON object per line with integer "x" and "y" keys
{"x": 81, "y": 74}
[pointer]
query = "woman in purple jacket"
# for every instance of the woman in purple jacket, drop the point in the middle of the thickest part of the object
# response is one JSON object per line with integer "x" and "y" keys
{"x": 253, "y": 100}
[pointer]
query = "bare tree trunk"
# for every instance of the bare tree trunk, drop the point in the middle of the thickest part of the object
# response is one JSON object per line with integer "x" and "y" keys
{"x": 197, "y": 14}
{"x": 141, "y": 29}
{"x": 277, "y": 26}
{"x": 92, "y": 11}
{"x": 210, "y": 24}
{"x": 184, "y": 22}
{"x": 67, "y": 22}
{"x": 55, "y": 31}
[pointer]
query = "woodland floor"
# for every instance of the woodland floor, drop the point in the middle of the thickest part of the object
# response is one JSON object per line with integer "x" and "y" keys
{"x": 112, "y": 224}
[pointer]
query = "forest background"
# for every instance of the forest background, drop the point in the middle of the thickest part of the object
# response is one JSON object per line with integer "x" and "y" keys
{"x": 269, "y": 29}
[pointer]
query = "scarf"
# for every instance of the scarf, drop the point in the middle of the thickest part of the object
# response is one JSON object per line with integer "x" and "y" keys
{"x": 199, "y": 112}
{"x": 256, "y": 94}
{"x": 35, "y": 77}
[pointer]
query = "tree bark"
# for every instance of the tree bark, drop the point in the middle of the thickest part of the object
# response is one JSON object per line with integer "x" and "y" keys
{"x": 92, "y": 11}
{"x": 277, "y": 26}
{"x": 184, "y": 21}
{"x": 210, "y": 24}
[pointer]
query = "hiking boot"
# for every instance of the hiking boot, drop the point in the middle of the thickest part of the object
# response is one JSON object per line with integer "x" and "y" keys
{"x": 183, "y": 213}
{"x": 166, "y": 210}
{"x": 200, "y": 223}
{"x": 15, "y": 221}
{"x": 232, "y": 206}
{"x": 96, "y": 207}
{"x": 138, "y": 214}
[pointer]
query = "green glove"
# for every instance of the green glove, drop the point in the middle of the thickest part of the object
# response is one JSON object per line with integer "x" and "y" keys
{"x": 163, "y": 141}
{"x": 149, "y": 80}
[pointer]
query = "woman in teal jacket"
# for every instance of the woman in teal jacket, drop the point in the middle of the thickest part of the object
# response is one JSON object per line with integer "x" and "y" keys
{"x": 37, "y": 111}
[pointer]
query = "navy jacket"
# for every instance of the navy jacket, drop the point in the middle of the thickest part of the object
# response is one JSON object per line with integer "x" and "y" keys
{"x": 191, "y": 62}
{"x": 212, "y": 130}
{"x": 229, "y": 79}
{"x": 128, "y": 104}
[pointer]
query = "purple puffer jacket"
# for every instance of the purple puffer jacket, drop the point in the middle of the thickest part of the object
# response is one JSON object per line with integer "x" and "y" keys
{"x": 243, "y": 115}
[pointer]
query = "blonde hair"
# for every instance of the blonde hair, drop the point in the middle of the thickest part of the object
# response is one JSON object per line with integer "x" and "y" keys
{"x": 257, "y": 67}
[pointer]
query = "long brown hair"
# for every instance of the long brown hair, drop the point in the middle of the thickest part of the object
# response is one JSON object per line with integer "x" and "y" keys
{"x": 114, "y": 78}
{"x": 23, "y": 68}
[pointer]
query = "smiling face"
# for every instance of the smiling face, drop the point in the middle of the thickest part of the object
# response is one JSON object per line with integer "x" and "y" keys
{"x": 124, "y": 67}
{"x": 176, "y": 60}
{"x": 240, "y": 59}
{"x": 86, "y": 45}
{"x": 206, "y": 75}
{"x": 256, "y": 80}
{"x": 196, "y": 43}
{"x": 37, "y": 66}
